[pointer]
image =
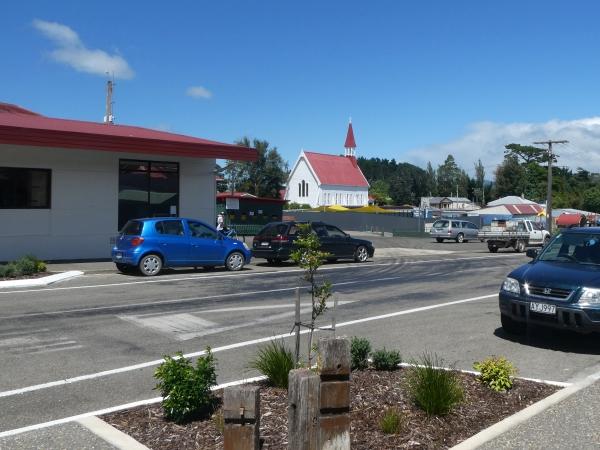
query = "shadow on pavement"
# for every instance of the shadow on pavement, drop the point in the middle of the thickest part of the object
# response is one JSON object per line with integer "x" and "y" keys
{"x": 551, "y": 339}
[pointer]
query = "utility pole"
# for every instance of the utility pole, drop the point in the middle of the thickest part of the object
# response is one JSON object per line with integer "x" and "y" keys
{"x": 549, "y": 188}
{"x": 108, "y": 117}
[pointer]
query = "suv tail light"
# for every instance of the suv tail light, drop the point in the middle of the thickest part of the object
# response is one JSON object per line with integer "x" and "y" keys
{"x": 137, "y": 241}
{"x": 279, "y": 239}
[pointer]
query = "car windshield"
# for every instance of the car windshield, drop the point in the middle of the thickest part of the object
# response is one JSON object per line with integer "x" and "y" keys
{"x": 580, "y": 248}
{"x": 440, "y": 224}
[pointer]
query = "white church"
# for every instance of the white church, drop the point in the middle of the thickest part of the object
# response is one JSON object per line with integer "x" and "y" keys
{"x": 319, "y": 179}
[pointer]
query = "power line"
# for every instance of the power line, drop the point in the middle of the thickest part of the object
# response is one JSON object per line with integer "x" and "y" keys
{"x": 549, "y": 187}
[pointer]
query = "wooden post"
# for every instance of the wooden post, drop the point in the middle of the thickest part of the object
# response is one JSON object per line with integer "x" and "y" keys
{"x": 334, "y": 394}
{"x": 241, "y": 417}
{"x": 303, "y": 410}
{"x": 297, "y": 325}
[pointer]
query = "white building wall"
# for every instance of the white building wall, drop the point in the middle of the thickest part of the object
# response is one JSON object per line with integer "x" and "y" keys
{"x": 84, "y": 201}
{"x": 343, "y": 195}
{"x": 299, "y": 173}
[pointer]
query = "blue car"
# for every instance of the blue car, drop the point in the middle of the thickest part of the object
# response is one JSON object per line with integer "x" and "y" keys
{"x": 152, "y": 244}
{"x": 560, "y": 288}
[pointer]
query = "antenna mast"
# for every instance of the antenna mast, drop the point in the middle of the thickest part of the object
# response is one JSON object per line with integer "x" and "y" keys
{"x": 108, "y": 117}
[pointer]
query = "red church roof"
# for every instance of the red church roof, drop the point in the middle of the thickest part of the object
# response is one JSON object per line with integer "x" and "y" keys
{"x": 336, "y": 170}
{"x": 19, "y": 126}
{"x": 350, "y": 142}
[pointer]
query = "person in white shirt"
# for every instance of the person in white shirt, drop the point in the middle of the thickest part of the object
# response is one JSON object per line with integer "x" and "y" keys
{"x": 220, "y": 221}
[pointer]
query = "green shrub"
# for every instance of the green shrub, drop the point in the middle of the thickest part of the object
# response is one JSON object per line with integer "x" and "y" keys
{"x": 186, "y": 389}
{"x": 26, "y": 266}
{"x": 9, "y": 271}
{"x": 392, "y": 421}
{"x": 496, "y": 372}
{"x": 386, "y": 359}
{"x": 274, "y": 361}
{"x": 433, "y": 389}
{"x": 360, "y": 348}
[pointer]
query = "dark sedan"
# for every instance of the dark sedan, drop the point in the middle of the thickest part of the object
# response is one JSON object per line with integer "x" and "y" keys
{"x": 275, "y": 242}
{"x": 560, "y": 288}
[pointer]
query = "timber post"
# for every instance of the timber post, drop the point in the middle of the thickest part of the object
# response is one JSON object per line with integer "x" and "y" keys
{"x": 241, "y": 417}
{"x": 303, "y": 410}
{"x": 334, "y": 394}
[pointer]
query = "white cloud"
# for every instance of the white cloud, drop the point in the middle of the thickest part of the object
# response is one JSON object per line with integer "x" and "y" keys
{"x": 486, "y": 141}
{"x": 70, "y": 50}
{"x": 198, "y": 92}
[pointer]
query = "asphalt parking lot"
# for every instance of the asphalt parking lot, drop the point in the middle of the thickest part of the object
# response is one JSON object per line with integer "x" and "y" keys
{"x": 93, "y": 342}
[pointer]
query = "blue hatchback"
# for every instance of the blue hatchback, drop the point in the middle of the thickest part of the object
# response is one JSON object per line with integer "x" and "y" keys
{"x": 151, "y": 244}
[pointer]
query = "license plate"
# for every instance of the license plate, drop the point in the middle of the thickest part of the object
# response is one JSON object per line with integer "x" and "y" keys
{"x": 264, "y": 244}
{"x": 543, "y": 308}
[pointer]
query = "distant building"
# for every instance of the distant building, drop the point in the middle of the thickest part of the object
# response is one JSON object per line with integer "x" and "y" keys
{"x": 319, "y": 179}
{"x": 449, "y": 204}
{"x": 511, "y": 200}
{"x": 242, "y": 208}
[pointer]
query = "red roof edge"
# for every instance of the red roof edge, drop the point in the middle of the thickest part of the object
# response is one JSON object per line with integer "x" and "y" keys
{"x": 350, "y": 142}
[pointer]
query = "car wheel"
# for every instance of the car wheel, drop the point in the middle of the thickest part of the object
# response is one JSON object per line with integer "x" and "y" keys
{"x": 150, "y": 265}
{"x": 512, "y": 326}
{"x": 235, "y": 261}
{"x": 492, "y": 249}
{"x": 519, "y": 246}
{"x": 361, "y": 254}
{"x": 123, "y": 268}
{"x": 460, "y": 238}
{"x": 439, "y": 239}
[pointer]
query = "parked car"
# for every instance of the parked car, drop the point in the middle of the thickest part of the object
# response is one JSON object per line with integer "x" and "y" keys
{"x": 275, "y": 242}
{"x": 152, "y": 244}
{"x": 560, "y": 288}
{"x": 454, "y": 229}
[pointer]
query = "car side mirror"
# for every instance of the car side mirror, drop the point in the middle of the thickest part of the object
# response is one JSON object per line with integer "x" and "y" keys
{"x": 532, "y": 252}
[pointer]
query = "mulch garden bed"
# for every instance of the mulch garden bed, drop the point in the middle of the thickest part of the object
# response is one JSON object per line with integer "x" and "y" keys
{"x": 372, "y": 393}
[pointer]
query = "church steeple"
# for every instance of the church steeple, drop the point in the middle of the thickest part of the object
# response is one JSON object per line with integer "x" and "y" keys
{"x": 350, "y": 144}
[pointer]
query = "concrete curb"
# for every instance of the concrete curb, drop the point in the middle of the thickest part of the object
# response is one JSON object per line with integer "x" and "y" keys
{"x": 110, "y": 434}
{"x": 522, "y": 416}
{"x": 42, "y": 281}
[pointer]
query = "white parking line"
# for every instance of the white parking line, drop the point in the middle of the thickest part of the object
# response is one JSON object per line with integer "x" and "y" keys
{"x": 216, "y": 296}
{"x": 164, "y": 279}
{"x": 156, "y": 362}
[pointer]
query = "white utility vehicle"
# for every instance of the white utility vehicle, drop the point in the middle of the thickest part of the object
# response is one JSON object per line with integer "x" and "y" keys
{"x": 517, "y": 234}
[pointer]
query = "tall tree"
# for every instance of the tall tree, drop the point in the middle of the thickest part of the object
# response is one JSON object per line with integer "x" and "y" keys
{"x": 430, "y": 181}
{"x": 509, "y": 177}
{"x": 448, "y": 177}
{"x": 480, "y": 181}
{"x": 265, "y": 176}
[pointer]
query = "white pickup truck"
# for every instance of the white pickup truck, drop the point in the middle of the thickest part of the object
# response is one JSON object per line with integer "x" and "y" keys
{"x": 517, "y": 234}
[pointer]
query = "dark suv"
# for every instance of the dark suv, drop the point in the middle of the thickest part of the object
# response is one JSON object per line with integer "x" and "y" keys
{"x": 560, "y": 288}
{"x": 276, "y": 241}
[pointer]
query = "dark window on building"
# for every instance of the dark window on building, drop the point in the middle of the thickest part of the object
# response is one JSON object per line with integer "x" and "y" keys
{"x": 24, "y": 188}
{"x": 147, "y": 189}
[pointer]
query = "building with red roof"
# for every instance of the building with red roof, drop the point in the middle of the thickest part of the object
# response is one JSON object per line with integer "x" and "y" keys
{"x": 321, "y": 179}
{"x": 67, "y": 186}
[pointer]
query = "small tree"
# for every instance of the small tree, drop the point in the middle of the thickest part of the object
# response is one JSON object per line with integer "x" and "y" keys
{"x": 309, "y": 257}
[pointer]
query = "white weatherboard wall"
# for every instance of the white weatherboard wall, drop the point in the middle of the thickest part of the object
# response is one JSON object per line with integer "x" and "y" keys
{"x": 303, "y": 172}
{"x": 84, "y": 201}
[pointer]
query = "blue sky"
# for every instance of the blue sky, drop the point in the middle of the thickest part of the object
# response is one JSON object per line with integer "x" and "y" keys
{"x": 420, "y": 79}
